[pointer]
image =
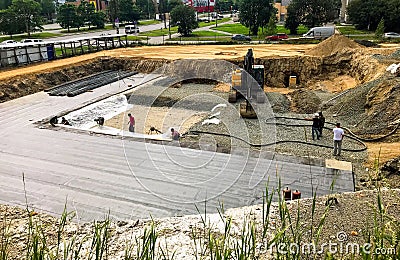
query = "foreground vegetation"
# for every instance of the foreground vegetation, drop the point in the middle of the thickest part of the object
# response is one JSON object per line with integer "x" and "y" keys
{"x": 278, "y": 229}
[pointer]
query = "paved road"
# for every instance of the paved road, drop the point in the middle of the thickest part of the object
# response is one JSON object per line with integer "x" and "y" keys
{"x": 130, "y": 179}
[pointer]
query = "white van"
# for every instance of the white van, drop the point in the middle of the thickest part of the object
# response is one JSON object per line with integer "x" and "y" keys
{"x": 32, "y": 41}
{"x": 131, "y": 28}
{"x": 320, "y": 33}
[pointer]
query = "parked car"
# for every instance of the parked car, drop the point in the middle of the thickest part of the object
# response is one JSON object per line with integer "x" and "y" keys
{"x": 390, "y": 35}
{"x": 241, "y": 37}
{"x": 131, "y": 28}
{"x": 8, "y": 42}
{"x": 32, "y": 41}
{"x": 277, "y": 37}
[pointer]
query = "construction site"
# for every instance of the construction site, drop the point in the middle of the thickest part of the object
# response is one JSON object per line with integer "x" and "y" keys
{"x": 234, "y": 140}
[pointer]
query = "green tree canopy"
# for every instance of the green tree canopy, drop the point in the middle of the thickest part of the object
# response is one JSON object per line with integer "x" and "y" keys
{"x": 224, "y": 5}
{"x": 4, "y": 4}
{"x": 128, "y": 12}
{"x": 366, "y": 14}
{"x": 185, "y": 17}
{"x": 67, "y": 16}
{"x": 48, "y": 8}
{"x": 293, "y": 19}
{"x": 29, "y": 12}
{"x": 312, "y": 13}
{"x": 10, "y": 23}
{"x": 146, "y": 9}
{"x": 255, "y": 13}
{"x": 172, "y": 4}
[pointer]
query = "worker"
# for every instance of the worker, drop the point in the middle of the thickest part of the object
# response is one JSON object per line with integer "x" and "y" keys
{"x": 64, "y": 121}
{"x": 53, "y": 121}
{"x": 338, "y": 134}
{"x": 315, "y": 126}
{"x": 100, "y": 121}
{"x": 131, "y": 123}
{"x": 321, "y": 123}
{"x": 175, "y": 134}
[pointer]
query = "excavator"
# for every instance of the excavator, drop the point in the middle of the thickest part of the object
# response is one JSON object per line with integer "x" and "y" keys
{"x": 249, "y": 84}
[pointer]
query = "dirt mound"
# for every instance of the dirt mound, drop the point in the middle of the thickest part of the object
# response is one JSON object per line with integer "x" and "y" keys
{"x": 304, "y": 102}
{"x": 332, "y": 45}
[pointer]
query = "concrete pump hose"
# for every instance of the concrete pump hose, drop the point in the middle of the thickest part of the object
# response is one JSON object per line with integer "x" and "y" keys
{"x": 280, "y": 142}
{"x": 347, "y": 129}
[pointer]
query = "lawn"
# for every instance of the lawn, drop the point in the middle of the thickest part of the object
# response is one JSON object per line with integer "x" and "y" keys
{"x": 86, "y": 29}
{"x": 149, "y": 22}
{"x": 351, "y": 30}
{"x": 216, "y": 38}
{"x": 41, "y": 35}
{"x": 238, "y": 28}
{"x": 212, "y": 23}
{"x": 159, "y": 32}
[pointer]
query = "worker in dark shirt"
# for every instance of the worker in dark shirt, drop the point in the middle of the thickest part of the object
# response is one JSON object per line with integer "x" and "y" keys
{"x": 315, "y": 126}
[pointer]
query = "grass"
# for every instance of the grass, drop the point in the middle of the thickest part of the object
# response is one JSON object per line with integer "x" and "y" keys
{"x": 159, "y": 32}
{"x": 212, "y": 23}
{"x": 351, "y": 30}
{"x": 149, "y": 22}
{"x": 86, "y": 29}
{"x": 41, "y": 35}
{"x": 238, "y": 28}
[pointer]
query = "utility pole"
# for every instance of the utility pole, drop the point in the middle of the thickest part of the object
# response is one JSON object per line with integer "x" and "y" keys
{"x": 208, "y": 9}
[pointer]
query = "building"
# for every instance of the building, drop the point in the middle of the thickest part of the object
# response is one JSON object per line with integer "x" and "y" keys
{"x": 343, "y": 11}
{"x": 281, "y": 13}
{"x": 201, "y": 6}
{"x": 99, "y": 5}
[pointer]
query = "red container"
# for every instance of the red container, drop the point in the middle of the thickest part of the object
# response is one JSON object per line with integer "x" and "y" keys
{"x": 296, "y": 195}
{"x": 287, "y": 194}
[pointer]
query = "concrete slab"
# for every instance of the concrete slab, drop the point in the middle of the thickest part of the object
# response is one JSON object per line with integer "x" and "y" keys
{"x": 339, "y": 165}
{"x": 96, "y": 174}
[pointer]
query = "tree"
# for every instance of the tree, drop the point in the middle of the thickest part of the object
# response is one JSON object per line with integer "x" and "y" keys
{"x": 271, "y": 27}
{"x": 84, "y": 12}
{"x": 10, "y": 23}
{"x": 128, "y": 12}
{"x": 292, "y": 20}
{"x": 380, "y": 30}
{"x": 185, "y": 17}
{"x": 312, "y": 13}
{"x": 113, "y": 10}
{"x": 98, "y": 20}
{"x": 224, "y": 5}
{"x": 4, "y": 4}
{"x": 146, "y": 9}
{"x": 172, "y": 4}
{"x": 255, "y": 13}
{"x": 366, "y": 14}
{"x": 67, "y": 16}
{"x": 48, "y": 8}
{"x": 29, "y": 12}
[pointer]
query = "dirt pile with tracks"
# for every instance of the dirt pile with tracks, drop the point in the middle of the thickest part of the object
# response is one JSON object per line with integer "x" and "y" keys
{"x": 304, "y": 102}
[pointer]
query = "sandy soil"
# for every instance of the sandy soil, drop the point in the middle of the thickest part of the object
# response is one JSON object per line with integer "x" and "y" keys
{"x": 161, "y": 118}
{"x": 336, "y": 84}
{"x": 170, "y": 53}
{"x": 383, "y": 151}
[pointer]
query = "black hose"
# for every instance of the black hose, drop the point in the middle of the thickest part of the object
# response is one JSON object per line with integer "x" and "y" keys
{"x": 347, "y": 129}
{"x": 280, "y": 142}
